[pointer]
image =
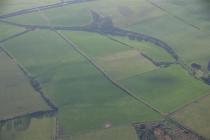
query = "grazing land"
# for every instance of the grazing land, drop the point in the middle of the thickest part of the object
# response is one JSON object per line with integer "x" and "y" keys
{"x": 196, "y": 116}
{"x": 16, "y": 91}
{"x": 35, "y": 129}
{"x": 8, "y": 30}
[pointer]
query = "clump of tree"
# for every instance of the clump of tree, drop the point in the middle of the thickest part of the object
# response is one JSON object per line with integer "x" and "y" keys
{"x": 100, "y": 23}
{"x": 196, "y": 66}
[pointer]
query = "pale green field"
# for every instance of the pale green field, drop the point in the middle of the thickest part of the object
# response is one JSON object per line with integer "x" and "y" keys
{"x": 191, "y": 44}
{"x": 56, "y": 16}
{"x": 125, "y": 64}
{"x": 8, "y": 30}
{"x": 151, "y": 50}
{"x": 8, "y": 6}
{"x": 38, "y": 129}
{"x": 17, "y": 97}
{"x": 196, "y": 117}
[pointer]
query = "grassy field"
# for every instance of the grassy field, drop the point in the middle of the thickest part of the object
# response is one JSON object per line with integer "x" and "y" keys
{"x": 56, "y": 17}
{"x": 8, "y": 30}
{"x": 79, "y": 90}
{"x": 166, "y": 88}
{"x": 16, "y": 93}
{"x": 118, "y": 60}
{"x": 190, "y": 43}
{"x": 38, "y": 129}
{"x": 196, "y": 117}
{"x": 90, "y": 106}
{"x": 147, "y": 48}
{"x": 110, "y": 134}
{"x": 8, "y": 6}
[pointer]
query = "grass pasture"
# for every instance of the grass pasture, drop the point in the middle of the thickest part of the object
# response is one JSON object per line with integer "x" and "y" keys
{"x": 125, "y": 64}
{"x": 8, "y": 6}
{"x": 151, "y": 50}
{"x": 190, "y": 43}
{"x": 56, "y": 16}
{"x": 167, "y": 88}
{"x": 38, "y": 129}
{"x": 118, "y": 60}
{"x": 76, "y": 87}
{"x": 16, "y": 93}
{"x": 8, "y": 30}
{"x": 110, "y": 134}
{"x": 196, "y": 116}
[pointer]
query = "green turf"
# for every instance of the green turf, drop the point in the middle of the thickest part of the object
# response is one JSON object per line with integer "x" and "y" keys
{"x": 79, "y": 90}
{"x": 38, "y": 129}
{"x": 166, "y": 88}
{"x": 196, "y": 116}
{"x": 17, "y": 97}
{"x": 8, "y": 30}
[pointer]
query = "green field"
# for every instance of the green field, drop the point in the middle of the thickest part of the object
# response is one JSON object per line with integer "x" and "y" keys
{"x": 37, "y": 129}
{"x": 167, "y": 89}
{"x": 8, "y": 30}
{"x": 16, "y": 93}
{"x": 54, "y": 18}
{"x": 8, "y": 6}
{"x": 78, "y": 89}
{"x": 103, "y": 84}
{"x": 191, "y": 44}
{"x": 110, "y": 134}
{"x": 147, "y": 48}
{"x": 196, "y": 116}
{"x": 118, "y": 60}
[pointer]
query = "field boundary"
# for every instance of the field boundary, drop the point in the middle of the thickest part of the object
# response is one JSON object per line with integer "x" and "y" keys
{"x": 15, "y": 35}
{"x": 189, "y": 104}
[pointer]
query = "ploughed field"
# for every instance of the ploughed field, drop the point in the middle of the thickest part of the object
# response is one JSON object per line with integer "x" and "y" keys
{"x": 75, "y": 70}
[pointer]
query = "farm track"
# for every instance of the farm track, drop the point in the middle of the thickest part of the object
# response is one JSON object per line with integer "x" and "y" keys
{"x": 42, "y": 8}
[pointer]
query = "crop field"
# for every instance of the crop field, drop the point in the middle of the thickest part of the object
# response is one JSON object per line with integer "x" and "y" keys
{"x": 196, "y": 116}
{"x": 104, "y": 69}
{"x": 16, "y": 91}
